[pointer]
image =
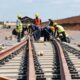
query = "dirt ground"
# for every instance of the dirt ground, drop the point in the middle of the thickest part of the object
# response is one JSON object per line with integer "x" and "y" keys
{"x": 74, "y": 36}
{"x": 9, "y": 42}
{"x": 4, "y": 33}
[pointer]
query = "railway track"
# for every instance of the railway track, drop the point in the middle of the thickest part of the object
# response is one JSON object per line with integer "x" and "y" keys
{"x": 51, "y": 63}
{"x": 72, "y": 56}
{"x": 30, "y": 60}
{"x": 13, "y": 62}
{"x": 48, "y": 65}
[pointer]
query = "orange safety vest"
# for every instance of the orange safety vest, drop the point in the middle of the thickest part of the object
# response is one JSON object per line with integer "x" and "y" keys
{"x": 37, "y": 22}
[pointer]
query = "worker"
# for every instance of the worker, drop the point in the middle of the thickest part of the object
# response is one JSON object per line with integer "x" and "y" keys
{"x": 28, "y": 26}
{"x": 48, "y": 31}
{"x": 37, "y": 20}
{"x": 52, "y": 31}
{"x": 38, "y": 24}
{"x": 60, "y": 30}
{"x": 19, "y": 28}
{"x": 50, "y": 22}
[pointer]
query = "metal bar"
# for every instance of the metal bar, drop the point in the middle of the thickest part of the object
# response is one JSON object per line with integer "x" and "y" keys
{"x": 64, "y": 71}
{"x": 4, "y": 78}
{"x": 32, "y": 75}
{"x": 6, "y": 52}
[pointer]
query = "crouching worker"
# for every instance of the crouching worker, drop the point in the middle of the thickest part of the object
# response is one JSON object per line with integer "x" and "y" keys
{"x": 48, "y": 33}
{"x": 19, "y": 28}
{"x": 52, "y": 29}
{"x": 60, "y": 31}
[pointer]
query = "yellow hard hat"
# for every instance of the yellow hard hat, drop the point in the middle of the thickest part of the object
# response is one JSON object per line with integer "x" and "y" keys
{"x": 28, "y": 25}
{"x": 37, "y": 15}
{"x": 19, "y": 16}
{"x": 54, "y": 24}
{"x": 52, "y": 28}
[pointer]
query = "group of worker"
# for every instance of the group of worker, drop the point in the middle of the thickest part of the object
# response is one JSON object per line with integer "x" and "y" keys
{"x": 37, "y": 30}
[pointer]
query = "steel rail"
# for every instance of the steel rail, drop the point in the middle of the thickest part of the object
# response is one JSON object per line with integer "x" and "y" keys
{"x": 7, "y": 52}
{"x": 64, "y": 71}
{"x": 32, "y": 75}
{"x": 4, "y": 78}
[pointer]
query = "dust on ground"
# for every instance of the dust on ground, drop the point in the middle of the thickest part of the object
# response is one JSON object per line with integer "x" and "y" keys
{"x": 6, "y": 33}
{"x": 74, "y": 36}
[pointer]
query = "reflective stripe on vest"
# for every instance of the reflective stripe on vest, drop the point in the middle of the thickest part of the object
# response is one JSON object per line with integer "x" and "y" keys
{"x": 60, "y": 28}
{"x": 19, "y": 28}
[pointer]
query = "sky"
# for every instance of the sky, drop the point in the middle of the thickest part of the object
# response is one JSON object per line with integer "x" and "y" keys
{"x": 54, "y": 9}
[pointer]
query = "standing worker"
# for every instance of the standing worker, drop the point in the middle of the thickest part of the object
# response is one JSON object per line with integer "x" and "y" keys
{"x": 60, "y": 30}
{"x": 37, "y": 21}
{"x": 19, "y": 28}
{"x": 38, "y": 24}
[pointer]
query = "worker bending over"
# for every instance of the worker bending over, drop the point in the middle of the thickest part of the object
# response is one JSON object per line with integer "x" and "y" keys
{"x": 59, "y": 30}
{"x": 48, "y": 31}
{"x": 52, "y": 29}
